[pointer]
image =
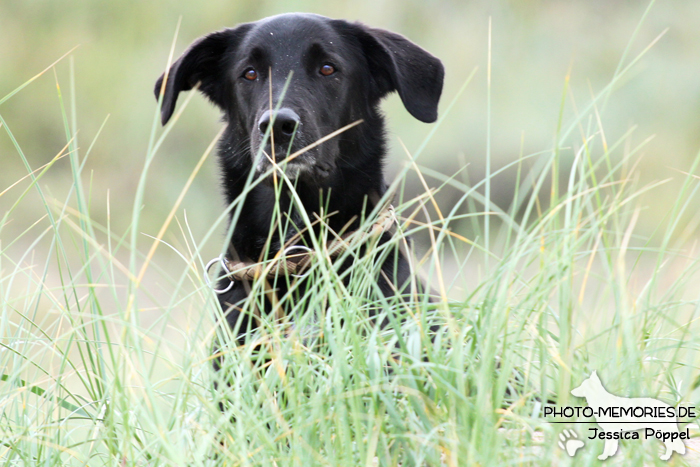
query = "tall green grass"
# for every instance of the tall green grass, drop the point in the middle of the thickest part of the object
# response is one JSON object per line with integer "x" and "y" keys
{"x": 107, "y": 336}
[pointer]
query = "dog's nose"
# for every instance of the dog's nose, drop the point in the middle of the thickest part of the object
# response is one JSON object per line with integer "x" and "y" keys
{"x": 285, "y": 123}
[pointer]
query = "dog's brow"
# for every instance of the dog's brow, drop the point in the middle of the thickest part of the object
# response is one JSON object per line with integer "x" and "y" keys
{"x": 317, "y": 50}
{"x": 257, "y": 54}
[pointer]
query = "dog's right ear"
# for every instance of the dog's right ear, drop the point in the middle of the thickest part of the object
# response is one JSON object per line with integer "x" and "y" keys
{"x": 397, "y": 64}
{"x": 204, "y": 61}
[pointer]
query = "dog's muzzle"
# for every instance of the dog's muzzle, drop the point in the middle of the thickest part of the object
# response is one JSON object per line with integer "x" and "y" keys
{"x": 279, "y": 130}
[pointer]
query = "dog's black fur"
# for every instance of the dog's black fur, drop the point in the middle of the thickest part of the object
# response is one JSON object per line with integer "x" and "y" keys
{"x": 340, "y": 72}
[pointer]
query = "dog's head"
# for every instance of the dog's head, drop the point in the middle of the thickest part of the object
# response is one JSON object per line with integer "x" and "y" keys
{"x": 321, "y": 74}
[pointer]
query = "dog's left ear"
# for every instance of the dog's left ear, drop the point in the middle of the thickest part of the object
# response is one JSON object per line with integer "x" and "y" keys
{"x": 203, "y": 62}
{"x": 397, "y": 64}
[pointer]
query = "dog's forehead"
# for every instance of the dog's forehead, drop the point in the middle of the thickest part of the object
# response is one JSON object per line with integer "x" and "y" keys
{"x": 291, "y": 33}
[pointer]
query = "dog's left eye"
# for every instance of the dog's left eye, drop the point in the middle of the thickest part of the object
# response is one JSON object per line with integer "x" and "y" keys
{"x": 250, "y": 74}
{"x": 327, "y": 70}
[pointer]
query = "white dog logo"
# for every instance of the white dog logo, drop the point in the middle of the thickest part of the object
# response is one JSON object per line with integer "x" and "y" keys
{"x": 614, "y": 427}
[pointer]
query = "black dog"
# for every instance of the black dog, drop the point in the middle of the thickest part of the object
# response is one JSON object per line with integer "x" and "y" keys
{"x": 339, "y": 73}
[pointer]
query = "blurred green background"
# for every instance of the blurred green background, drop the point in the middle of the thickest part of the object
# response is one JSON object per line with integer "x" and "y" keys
{"x": 124, "y": 46}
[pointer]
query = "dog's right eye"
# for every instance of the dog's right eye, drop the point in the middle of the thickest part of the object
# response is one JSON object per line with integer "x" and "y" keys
{"x": 250, "y": 74}
{"x": 327, "y": 69}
